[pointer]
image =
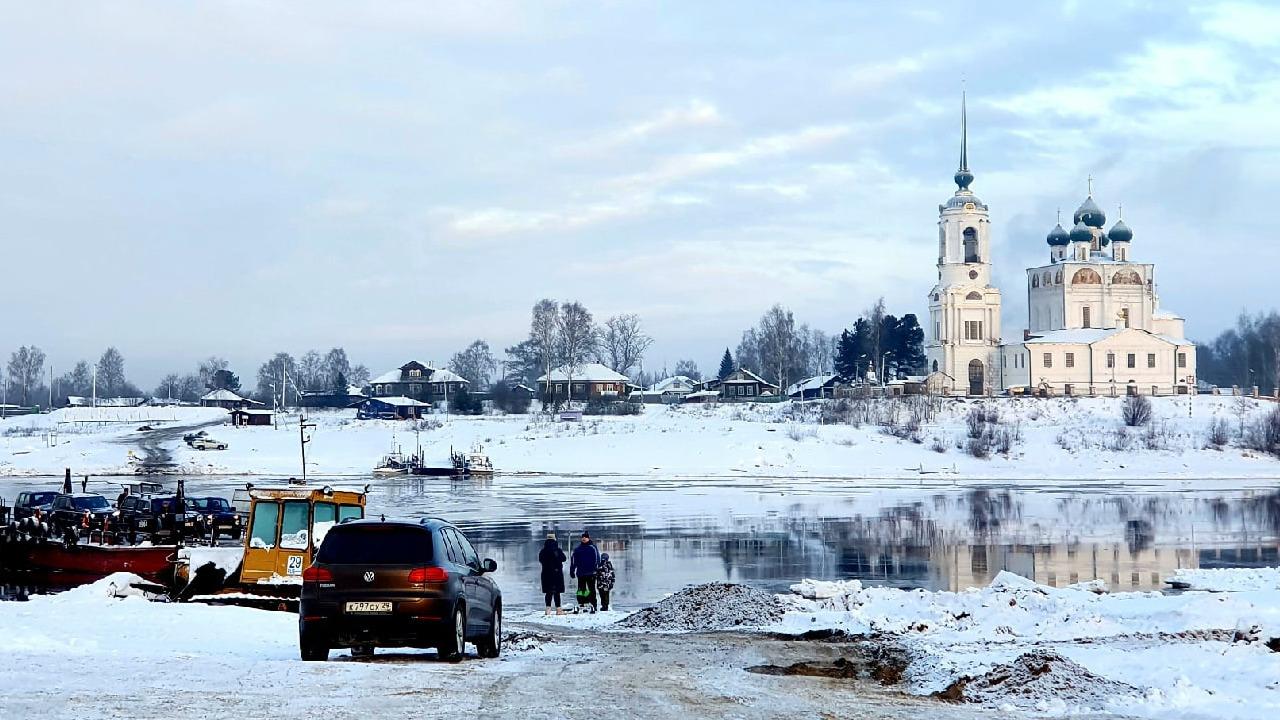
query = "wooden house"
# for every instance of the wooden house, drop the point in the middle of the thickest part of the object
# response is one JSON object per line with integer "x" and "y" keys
{"x": 743, "y": 385}
{"x": 589, "y": 381}
{"x": 241, "y": 417}
{"x": 391, "y": 408}
{"x": 225, "y": 399}
{"x": 420, "y": 382}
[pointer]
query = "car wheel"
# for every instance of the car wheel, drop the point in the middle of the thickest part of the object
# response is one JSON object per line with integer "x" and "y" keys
{"x": 454, "y": 644}
{"x": 491, "y": 646}
{"x": 311, "y": 649}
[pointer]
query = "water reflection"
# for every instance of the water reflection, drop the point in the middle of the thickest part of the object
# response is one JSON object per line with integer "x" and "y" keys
{"x": 665, "y": 534}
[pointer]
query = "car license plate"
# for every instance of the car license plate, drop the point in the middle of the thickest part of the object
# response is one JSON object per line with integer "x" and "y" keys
{"x": 368, "y": 607}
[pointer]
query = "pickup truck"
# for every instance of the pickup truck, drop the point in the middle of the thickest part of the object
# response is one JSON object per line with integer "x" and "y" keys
{"x": 207, "y": 443}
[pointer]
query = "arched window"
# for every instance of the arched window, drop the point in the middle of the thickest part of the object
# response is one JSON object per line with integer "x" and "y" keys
{"x": 1086, "y": 276}
{"x": 971, "y": 245}
{"x": 1035, "y": 281}
{"x": 1047, "y": 279}
{"x": 1057, "y": 279}
{"x": 1126, "y": 277}
{"x": 935, "y": 366}
{"x": 975, "y": 295}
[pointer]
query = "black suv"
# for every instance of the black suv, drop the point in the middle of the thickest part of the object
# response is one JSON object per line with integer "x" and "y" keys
{"x": 377, "y": 583}
{"x": 218, "y": 515}
{"x": 29, "y": 502}
{"x": 157, "y": 516}
{"x": 76, "y": 510}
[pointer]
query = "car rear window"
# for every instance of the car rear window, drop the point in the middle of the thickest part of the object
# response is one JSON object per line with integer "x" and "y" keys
{"x": 375, "y": 545}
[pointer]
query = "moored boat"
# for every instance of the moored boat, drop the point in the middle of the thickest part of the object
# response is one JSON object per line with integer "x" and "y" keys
{"x": 85, "y": 560}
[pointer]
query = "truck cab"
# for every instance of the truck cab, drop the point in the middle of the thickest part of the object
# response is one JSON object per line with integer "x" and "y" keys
{"x": 286, "y": 525}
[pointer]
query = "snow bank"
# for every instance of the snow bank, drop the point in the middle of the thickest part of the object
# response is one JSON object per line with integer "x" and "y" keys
{"x": 986, "y": 633}
{"x": 712, "y": 606}
{"x": 226, "y": 559}
{"x": 1231, "y": 579}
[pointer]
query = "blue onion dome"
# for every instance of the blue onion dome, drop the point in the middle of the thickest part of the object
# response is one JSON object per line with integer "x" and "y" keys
{"x": 1120, "y": 232}
{"x": 1081, "y": 233}
{"x": 964, "y": 178}
{"x": 1058, "y": 237}
{"x": 1090, "y": 213}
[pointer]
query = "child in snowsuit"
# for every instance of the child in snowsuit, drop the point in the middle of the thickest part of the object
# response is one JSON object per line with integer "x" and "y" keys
{"x": 604, "y": 580}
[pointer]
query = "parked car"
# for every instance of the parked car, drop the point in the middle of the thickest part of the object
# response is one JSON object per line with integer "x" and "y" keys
{"x": 69, "y": 511}
{"x": 157, "y": 517}
{"x": 379, "y": 583}
{"x": 27, "y": 503}
{"x": 192, "y": 437}
{"x": 218, "y": 515}
{"x": 207, "y": 443}
{"x": 145, "y": 428}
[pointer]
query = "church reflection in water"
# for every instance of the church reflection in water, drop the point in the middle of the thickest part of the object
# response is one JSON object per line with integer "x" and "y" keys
{"x": 936, "y": 540}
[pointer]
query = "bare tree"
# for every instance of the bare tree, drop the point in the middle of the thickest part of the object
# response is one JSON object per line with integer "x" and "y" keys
{"x": 778, "y": 345}
{"x": 578, "y": 338}
{"x": 544, "y": 333}
{"x": 26, "y": 366}
{"x": 311, "y": 371}
{"x": 689, "y": 369}
{"x": 111, "y": 380}
{"x": 476, "y": 363}
{"x": 748, "y": 352}
{"x": 273, "y": 375}
{"x": 623, "y": 342}
{"x": 208, "y": 367}
{"x": 186, "y": 388}
{"x": 337, "y": 370}
{"x": 821, "y": 353}
{"x": 358, "y": 376}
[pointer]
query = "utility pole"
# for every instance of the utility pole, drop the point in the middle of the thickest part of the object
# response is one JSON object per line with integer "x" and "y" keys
{"x": 50, "y": 386}
{"x": 303, "y": 427}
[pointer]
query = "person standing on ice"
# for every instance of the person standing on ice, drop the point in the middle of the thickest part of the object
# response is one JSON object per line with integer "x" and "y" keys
{"x": 585, "y": 563}
{"x": 604, "y": 580}
{"x": 552, "y": 558}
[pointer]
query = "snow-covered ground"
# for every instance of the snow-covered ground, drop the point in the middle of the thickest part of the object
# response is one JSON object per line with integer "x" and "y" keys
{"x": 1055, "y": 438}
{"x": 1187, "y": 655}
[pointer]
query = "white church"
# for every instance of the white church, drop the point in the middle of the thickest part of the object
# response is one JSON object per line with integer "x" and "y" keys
{"x": 1094, "y": 322}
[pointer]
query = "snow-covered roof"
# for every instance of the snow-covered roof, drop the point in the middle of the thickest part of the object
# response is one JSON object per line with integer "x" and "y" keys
{"x": 589, "y": 372}
{"x": 355, "y": 390}
{"x": 222, "y": 395}
{"x": 812, "y": 383}
{"x": 702, "y": 394}
{"x": 1175, "y": 341}
{"x": 433, "y": 375}
{"x": 399, "y": 401}
{"x": 389, "y": 376}
{"x": 1165, "y": 315}
{"x": 1078, "y": 336}
{"x": 675, "y": 382}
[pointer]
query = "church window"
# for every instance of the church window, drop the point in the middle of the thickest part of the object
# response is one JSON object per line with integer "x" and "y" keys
{"x": 1124, "y": 316}
{"x": 1182, "y": 360}
{"x": 1071, "y": 360}
{"x": 1035, "y": 281}
{"x": 971, "y": 245}
{"x": 1126, "y": 277}
{"x": 935, "y": 366}
{"x": 1084, "y": 312}
{"x": 1120, "y": 254}
{"x": 1086, "y": 276}
{"x": 1048, "y": 360}
{"x": 973, "y": 296}
{"x": 937, "y": 331}
{"x": 1151, "y": 360}
{"x": 1047, "y": 280}
{"x": 1057, "y": 278}
{"x": 1133, "y": 360}
{"x": 972, "y": 329}
{"x": 1111, "y": 360}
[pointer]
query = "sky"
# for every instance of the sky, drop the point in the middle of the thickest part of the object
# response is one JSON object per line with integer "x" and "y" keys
{"x": 182, "y": 180}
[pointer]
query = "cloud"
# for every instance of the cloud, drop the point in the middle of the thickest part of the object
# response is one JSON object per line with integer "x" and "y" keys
{"x": 1255, "y": 25}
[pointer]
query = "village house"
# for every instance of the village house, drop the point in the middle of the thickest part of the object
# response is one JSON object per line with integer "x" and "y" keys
{"x": 670, "y": 391}
{"x": 420, "y": 382}
{"x": 815, "y": 388}
{"x": 241, "y": 417}
{"x": 391, "y": 408}
{"x": 225, "y": 399}
{"x": 743, "y": 385}
{"x": 591, "y": 380}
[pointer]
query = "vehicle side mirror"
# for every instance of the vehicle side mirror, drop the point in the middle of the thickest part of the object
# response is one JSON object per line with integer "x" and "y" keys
{"x": 489, "y": 565}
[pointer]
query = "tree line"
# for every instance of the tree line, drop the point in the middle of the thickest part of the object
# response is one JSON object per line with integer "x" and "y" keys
{"x": 566, "y": 335}
{"x": 1245, "y": 355}
{"x": 26, "y": 380}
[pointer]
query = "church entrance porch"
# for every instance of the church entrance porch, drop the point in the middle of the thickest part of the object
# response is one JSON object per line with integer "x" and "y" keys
{"x": 977, "y": 379}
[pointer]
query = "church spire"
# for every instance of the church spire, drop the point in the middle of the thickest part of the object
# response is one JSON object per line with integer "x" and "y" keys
{"x": 963, "y": 176}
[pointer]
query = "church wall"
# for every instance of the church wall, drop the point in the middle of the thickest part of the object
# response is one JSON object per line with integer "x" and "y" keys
{"x": 1090, "y": 374}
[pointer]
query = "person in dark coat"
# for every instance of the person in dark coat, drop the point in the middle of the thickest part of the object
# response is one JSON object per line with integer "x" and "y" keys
{"x": 604, "y": 580}
{"x": 552, "y": 560}
{"x": 583, "y": 565}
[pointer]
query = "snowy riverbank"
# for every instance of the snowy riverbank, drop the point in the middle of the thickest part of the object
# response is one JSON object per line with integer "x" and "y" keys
{"x": 1051, "y": 439}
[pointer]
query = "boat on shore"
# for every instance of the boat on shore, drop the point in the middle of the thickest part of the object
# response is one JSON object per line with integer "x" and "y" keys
{"x": 90, "y": 561}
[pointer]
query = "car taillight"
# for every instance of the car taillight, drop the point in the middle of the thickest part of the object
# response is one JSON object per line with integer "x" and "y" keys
{"x": 316, "y": 574}
{"x": 428, "y": 575}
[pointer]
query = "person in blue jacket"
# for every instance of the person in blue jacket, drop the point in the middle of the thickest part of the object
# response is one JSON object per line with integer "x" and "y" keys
{"x": 583, "y": 565}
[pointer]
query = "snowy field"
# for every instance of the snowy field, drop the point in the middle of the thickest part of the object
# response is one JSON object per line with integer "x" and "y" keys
{"x": 1055, "y": 438}
{"x": 1027, "y": 650}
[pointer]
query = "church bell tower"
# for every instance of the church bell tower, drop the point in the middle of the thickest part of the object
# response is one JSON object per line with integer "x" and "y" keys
{"x": 964, "y": 309}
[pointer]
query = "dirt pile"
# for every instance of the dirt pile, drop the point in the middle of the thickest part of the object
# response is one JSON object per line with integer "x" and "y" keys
{"x": 713, "y": 606}
{"x": 1037, "y": 678}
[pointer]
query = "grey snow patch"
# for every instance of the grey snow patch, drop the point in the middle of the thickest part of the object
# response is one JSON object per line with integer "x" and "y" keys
{"x": 1036, "y": 680}
{"x": 712, "y": 606}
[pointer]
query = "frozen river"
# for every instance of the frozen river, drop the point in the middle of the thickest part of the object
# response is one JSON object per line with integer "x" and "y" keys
{"x": 665, "y": 534}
